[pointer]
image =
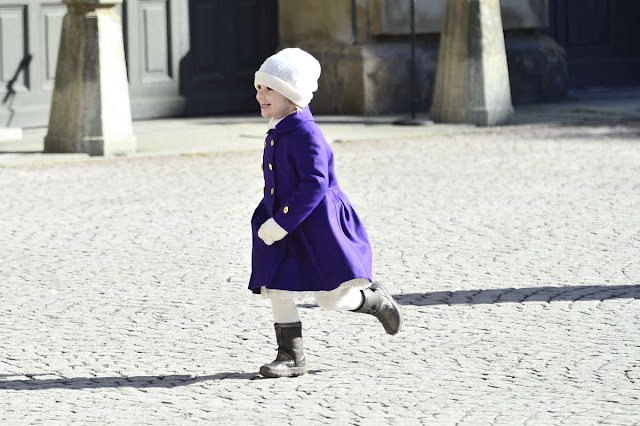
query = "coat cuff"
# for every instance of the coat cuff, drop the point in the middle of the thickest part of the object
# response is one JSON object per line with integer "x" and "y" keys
{"x": 270, "y": 232}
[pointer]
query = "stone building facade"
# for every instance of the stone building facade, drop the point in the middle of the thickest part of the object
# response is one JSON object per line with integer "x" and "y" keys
{"x": 187, "y": 57}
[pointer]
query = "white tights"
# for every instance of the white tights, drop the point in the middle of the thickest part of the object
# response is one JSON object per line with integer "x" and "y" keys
{"x": 285, "y": 310}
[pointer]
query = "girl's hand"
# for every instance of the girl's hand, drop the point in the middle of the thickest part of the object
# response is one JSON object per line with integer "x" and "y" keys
{"x": 270, "y": 232}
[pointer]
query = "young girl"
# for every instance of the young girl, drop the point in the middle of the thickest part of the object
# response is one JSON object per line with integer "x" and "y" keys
{"x": 307, "y": 238}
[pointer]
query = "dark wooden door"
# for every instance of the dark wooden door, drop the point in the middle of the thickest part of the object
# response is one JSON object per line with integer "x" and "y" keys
{"x": 602, "y": 40}
{"x": 229, "y": 41}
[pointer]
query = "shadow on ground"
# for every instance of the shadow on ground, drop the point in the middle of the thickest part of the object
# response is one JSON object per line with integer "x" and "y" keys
{"x": 521, "y": 295}
{"x": 31, "y": 381}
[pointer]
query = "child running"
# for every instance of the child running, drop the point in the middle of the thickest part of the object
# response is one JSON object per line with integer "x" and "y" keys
{"x": 307, "y": 238}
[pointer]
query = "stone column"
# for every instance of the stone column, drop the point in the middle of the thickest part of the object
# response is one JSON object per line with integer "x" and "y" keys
{"x": 472, "y": 79}
{"x": 90, "y": 109}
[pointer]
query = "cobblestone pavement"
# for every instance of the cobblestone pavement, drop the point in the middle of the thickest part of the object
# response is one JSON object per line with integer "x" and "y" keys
{"x": 513, "y": 252}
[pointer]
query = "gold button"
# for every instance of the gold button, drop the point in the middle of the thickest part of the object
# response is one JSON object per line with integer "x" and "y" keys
{"x": 265, "y": 144}
{"x": 285, "y": 210}
{"x": 270, "y": 166}
{"x": 272, "y": 191}
{"x": 272, "y": 142}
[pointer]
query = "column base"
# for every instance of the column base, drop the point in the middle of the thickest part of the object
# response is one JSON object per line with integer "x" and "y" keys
{"x": 94, "y": 146}
{"x": 476, "y": 116}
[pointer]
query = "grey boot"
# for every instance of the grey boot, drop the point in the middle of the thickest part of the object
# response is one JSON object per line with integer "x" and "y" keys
{"x": 379, "y": 303}
{"x": 290, "y": 361}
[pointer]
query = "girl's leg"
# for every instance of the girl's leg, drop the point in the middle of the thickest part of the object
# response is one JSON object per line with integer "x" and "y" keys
{"x": 348, "y": 300}
{"x": 284, "y": 311}
{"x": 290, "y": 360}
{"x": 374, "y": 300}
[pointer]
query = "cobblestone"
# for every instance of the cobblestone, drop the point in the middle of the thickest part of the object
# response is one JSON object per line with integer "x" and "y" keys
{"x": 513, "y": 252}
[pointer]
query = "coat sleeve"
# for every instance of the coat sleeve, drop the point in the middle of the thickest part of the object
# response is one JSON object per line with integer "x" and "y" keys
{"x": 312, "y": 166}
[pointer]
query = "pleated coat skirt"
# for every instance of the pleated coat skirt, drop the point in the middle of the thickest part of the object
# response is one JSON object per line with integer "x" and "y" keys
{"x": 327, "y": 244}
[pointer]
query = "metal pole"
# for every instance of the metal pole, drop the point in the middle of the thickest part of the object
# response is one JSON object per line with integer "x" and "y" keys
{"x": 412, "y": 77}
{"x": 354, "y": 21}
{"x": 413, "y": 60}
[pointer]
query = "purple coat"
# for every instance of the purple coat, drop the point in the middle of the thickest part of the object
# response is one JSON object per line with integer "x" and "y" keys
{"x": 326, "y": 244}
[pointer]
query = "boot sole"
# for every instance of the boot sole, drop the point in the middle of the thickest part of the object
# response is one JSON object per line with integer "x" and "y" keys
{"x": 396, "y": 306}
{"x": 290, "y": 372}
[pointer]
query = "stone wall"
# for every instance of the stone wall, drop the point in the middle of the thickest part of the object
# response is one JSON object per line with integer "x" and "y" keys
{"x": 363, "y": 46}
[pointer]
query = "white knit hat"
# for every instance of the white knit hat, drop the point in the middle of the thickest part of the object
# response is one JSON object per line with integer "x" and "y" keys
{"x": 291, "y": 72}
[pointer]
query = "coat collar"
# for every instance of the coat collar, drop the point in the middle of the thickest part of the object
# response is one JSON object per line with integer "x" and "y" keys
{"x": 292, "y": 121}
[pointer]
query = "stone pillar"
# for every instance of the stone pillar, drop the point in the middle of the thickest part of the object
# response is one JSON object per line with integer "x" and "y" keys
{"x": 472, "y": 79}
{"x": 90, "y": 109}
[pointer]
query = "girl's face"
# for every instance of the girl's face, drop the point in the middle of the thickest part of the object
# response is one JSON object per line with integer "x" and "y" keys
{"x": 273, "y": 104}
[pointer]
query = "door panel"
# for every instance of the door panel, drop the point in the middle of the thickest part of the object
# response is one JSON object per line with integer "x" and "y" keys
{"x": 156, "y": 42}
{"x": 205, "y": 26}
{"x": 155, "y": 38}
{"x": 591, "y": 26}
{"x": 52, "y": 16}
{"x": 602, "y": 40}
{"x": 13, "y": 48}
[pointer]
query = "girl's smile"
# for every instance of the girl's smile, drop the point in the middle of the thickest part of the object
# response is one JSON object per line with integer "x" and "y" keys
{"x": 272, "y": 103}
